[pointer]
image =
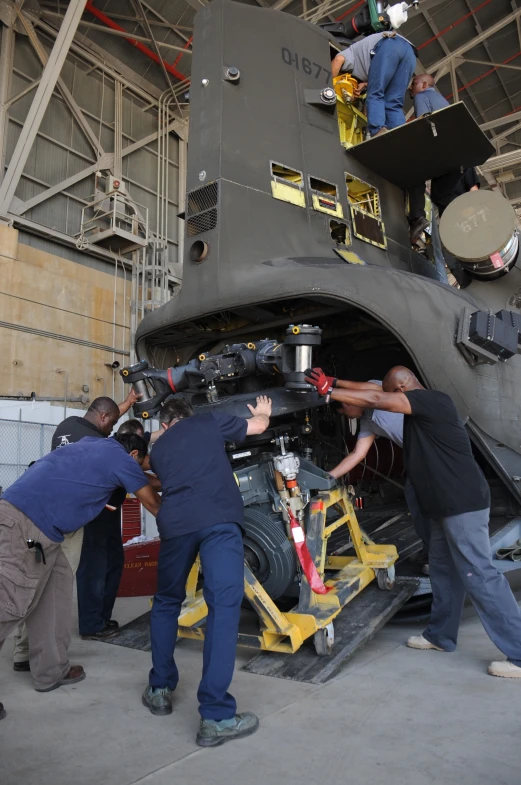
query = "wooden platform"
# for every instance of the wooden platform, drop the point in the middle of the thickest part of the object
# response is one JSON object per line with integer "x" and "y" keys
{"x": 427, "y": 147}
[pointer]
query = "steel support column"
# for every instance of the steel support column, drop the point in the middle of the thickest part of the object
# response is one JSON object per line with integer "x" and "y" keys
{"x": 6, "y": 69}
{"x": 40, "y": 103}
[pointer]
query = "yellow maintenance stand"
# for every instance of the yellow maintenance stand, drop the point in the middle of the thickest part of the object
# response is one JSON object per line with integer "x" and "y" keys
{"x": 313, "y": 615}
{"x": 351, "y": 120}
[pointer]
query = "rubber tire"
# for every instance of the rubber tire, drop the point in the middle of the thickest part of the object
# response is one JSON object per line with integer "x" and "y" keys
{"x": 384, "y": 582}
{"x": 267, "y": 533}
{"x": 323, "y": 642}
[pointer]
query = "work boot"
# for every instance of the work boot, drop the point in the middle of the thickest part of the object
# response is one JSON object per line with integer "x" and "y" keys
{"x": 112, "y": 624}
{"x": 505, "y": 669}
{"x": 417, "y": 227}
{"x": 158, "y": 700}
{"x": 2, "y": 711}
{"x": 419, "y": 642}
{"x": 74, "y": 675}
{"x": 101, "y": 635}
{"x": 213, "y": 733}
{"x": 380, "y": 132}
{"x": 20, "y": 667}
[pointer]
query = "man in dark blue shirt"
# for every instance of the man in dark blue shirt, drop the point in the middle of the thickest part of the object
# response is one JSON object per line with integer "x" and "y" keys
{"x": 60, "y": 493}
{"x": 201, "y": 512}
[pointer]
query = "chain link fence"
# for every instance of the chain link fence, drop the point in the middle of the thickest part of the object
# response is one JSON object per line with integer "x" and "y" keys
{"x": 21, "y": 443}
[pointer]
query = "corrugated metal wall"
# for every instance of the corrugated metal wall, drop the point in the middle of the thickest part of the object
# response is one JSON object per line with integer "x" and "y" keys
{"x": 61, "y": 148}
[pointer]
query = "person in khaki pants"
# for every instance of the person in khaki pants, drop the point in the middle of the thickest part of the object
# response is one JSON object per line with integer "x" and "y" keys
{"x": 61, "y": 493}
{"x": 71, "y": 547}
{"x": 99, "y": 420}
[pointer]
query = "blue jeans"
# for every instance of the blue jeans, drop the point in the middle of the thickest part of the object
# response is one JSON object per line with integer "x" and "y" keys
{"x": 99, "y": 571}
{"x": 222, "y": 560}
{"x": 460, "y": 561}
{"x": 390, "y": 73}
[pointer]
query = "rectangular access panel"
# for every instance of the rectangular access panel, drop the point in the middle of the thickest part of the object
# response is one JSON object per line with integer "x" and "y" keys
{"x": 428, "y": 147}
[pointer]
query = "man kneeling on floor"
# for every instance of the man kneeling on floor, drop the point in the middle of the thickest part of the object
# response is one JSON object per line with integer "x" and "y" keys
{"x": 201, "y": 513}
{"x": 61, "y": 493}
{"x": 452, "y": 492}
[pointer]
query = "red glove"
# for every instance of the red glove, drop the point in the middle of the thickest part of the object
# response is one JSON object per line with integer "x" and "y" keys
{"x": 318, "y": 379}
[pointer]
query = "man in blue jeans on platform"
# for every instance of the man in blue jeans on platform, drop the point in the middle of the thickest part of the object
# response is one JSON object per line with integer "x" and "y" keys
{"x": 201, "y": 513}
{"x": 384, "y": 63}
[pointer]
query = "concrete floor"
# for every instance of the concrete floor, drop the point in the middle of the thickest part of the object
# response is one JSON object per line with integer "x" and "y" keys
{"x": 394, "y": 716}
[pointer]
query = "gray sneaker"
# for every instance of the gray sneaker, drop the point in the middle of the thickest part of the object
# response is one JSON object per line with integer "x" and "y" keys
{"x": 158, "y": 700}
{"x": 213, "y": 733}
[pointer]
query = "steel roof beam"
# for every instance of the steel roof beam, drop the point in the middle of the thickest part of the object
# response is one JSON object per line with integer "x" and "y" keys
{"x": 441, "y": 67}
{"x": 40, "y": 102}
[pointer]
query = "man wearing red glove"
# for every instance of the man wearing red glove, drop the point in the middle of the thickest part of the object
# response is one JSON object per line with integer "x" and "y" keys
{"x": 452, "y": 492}
{"x": 374, "y": 423}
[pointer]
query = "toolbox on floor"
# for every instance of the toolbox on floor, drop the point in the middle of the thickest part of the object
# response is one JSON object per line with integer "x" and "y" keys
{"x": 139, "y": 577}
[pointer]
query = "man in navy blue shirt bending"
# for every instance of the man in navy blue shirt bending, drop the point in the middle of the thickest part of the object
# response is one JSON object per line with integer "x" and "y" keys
{"x": 201, "y": 512}
{"x": 59, "y": 494}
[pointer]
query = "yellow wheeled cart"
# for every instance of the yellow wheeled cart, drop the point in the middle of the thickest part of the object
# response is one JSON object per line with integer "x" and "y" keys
{"x": 313, "y": 615}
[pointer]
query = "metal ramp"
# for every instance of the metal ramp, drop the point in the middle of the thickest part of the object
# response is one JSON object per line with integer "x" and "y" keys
{"x": 355, "y": 626}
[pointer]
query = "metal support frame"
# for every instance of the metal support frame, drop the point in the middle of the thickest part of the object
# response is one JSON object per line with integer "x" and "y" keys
{"x": 118, "y": 130}
{"x": 62, "y": 87}
{"x": 120, "y": 33}
{"x": 6, "y": 69}
{"x": 40, "y": 103}
{"x": 441, "y": 67}
{"x": 487, "y": 49}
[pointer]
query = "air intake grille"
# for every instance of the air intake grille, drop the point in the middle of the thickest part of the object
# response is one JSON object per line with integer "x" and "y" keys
{"x": 202, "y": 199}
{"x": 201, "y": 223}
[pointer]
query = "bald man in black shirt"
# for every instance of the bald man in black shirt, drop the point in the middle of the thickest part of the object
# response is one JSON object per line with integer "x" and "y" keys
{"x": 451, "y": 491}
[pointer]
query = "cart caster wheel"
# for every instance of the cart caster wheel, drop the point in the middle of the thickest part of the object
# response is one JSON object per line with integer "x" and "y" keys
{"x": 385, "y": 578}
{"x": 324, "y": 640}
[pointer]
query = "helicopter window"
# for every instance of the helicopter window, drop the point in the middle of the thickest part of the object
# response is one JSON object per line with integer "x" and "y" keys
{"x": 287, "y": 184}
{"x": 364, "y": 202}
{"x": 324, "y": 197}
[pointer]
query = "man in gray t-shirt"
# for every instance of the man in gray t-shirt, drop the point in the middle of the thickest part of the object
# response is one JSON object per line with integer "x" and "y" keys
{"x": 385, "y": 63}
{"x": 375, "y": 423}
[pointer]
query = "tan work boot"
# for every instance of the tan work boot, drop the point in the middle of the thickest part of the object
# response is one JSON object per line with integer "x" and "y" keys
{"x": 419, "y": 642}
{"x": 506, "y": 669}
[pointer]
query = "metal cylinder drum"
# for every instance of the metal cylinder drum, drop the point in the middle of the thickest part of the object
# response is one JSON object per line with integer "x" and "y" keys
{"x": 141, "y": 389}
{"x": 479, "y": 229}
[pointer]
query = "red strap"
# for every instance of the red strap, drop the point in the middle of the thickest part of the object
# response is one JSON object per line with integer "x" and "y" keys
{"x": 170, "y": 380}
{"x": 307, "y": 563}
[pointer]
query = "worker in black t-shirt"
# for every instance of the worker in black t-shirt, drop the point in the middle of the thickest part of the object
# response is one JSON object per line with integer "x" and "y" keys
{"x": 451, "y": 491}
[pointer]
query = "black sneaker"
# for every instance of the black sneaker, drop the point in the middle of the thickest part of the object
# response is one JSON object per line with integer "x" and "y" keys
{"x": 213, "y": 733}
{"x": 20, "y": 667}
{"x": 102, "y": 635}
{"x": 158, "y": 700}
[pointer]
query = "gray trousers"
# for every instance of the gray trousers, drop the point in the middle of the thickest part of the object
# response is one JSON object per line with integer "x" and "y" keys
{"x": 460, "y": 561}
{"x": 422, "y": 524}
{"x": 37, "y": 592}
